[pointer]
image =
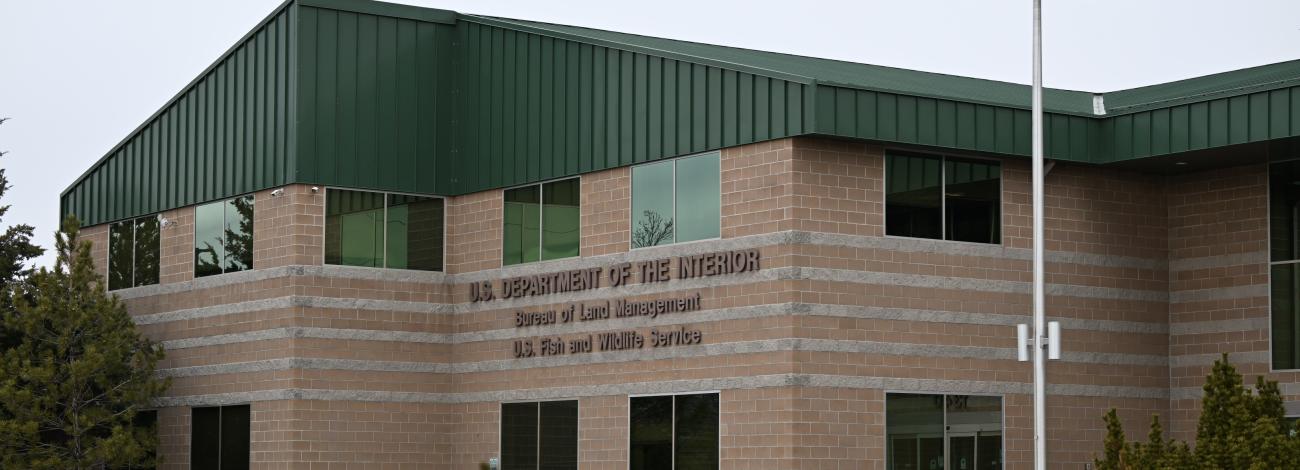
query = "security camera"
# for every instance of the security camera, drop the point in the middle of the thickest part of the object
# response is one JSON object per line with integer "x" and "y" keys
{"x": 278, "y": 192}
{"x": 315, "y": 189}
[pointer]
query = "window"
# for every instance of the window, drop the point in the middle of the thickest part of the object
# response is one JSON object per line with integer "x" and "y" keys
{"x": 382, "y": 230}
{"x": 676, "y": 201}
{"x": 223, "y": 236}
{"x": 133, "y": 250}
{"x": 1284, "y": 258}
{"x": 943, "y": 431}
{"x": 219, "y": 440}
{"x": 678, "y": 432}
{"x": 944, "y": 198}
{"x": 541, "y": 222}
{"x": 539, "y": 435}
{"x": 1292, "y": 424}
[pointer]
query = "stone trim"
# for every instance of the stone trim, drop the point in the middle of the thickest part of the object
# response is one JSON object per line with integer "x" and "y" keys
{"x": 665, "y": 387}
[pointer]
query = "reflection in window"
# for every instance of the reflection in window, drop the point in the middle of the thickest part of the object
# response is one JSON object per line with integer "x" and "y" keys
{"x": 678, "y": 432}
{"x": 676, "y": 201}
{"x": 133, "y": 252}
{"x": 1284, "y": 225}
{"x": 541, "y": 222}
{"x": 943, "y": 198}
{"x": 223, "y": 236}
{"x": 378, "y": 230}
{"x": 920, "y": 427}
{"x": 219, "y": 438}
{"x": 539, "y": 435}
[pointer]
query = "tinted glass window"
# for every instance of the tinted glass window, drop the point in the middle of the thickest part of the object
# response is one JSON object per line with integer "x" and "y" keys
{"x": 1285, "y": 285}
{"x": 147, "y": 249}
{"x": 558, "y": 439}
{"x": 1284, "y": 210}
{"x": 651, "y": 433}
{"x": 972, "y": 193}
{"x": 523, "y": 220}
{"x": 209, "y": 235}
{"x": 914, "y": 196}
{"x": 943, "y": 431}
{"x": 121, "y": 256}
{"x": 674, "y": 432}
{"x": 415, "y": 229}
{"x": 205, "y": 438}
{"x": 238, "y": 234}
{"x": 696, "y": 432}
{"x": 146, "y": 427}
{"x": 652, "y": 205}
{"x": 220, "y": 438}
{"x": 560, "y": 219}
{"x": 943, "y": 198}
{"x": 519, "y": 436}
{"x": 354, "y": 228}
{"x": 698, "y": 201}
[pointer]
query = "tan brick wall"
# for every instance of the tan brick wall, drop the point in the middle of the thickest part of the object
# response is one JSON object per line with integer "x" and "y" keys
{"x": 474, "y": 232}
{"x": 606, "y": 205}
{"x": 287, "y": 229}
{"x": 97, "y": 235}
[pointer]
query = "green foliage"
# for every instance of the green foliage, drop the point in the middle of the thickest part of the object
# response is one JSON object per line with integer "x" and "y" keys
{"x": 77, "y": 373}
{"x": 1238, "y": 429}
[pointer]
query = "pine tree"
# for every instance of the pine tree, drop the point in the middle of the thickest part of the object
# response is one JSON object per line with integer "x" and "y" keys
{"x": 1238, "y": 429}
{"x": 72, "y": 384}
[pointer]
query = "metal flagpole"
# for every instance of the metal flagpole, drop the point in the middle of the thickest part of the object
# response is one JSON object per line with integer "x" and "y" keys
{"x": 1040, "y": 332}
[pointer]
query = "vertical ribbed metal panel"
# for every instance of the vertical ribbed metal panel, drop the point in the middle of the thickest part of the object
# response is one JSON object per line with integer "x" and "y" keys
{"x": 223, "y": 135}
{"x": 374, "y": 100}
{"x": 889, "y": 117}
{"x": 1240, "y": 119}
{"x": 535, "y": 107}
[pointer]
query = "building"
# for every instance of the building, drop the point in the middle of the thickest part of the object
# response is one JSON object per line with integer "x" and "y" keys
{"x": 383, "y": 236}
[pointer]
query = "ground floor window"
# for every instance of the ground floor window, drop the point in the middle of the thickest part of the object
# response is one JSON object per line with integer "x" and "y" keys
{"x": 954, "y": 432}
{"x": 674, "y": 432}
{"x": 146, "y": 423}
{"x": 219, "y": 438}
{"x": 539, "y": 435}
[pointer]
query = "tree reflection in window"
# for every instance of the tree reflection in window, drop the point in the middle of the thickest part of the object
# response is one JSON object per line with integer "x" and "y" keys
{"x": 223, "y": 236}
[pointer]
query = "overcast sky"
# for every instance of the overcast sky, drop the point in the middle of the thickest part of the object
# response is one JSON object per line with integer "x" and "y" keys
{"x": 77, "y": 76}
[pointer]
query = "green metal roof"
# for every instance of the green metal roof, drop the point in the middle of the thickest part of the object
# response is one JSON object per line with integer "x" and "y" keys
{"x": 372, "y": 95}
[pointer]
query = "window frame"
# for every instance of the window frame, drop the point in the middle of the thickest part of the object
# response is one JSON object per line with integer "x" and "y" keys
{"x": 673, "y": 420}
{"x": 501, "y": 435}
{"x": 1002, "y": 417}
{"x": 631, "y": 220}
{"x": 108, "y": 251}
{"x": 1268, "y": 255}
{"x": 943, "y": 196}
{"x": 541, "y": 219}
{"x": 325, "y": 190}
{"x": 194, "y": 236}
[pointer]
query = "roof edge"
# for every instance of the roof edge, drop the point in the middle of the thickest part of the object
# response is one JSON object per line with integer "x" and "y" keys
{"x": 397, "y": 10}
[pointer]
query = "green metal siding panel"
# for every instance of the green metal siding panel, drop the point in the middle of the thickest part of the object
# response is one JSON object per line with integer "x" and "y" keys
{"x": 153, "y": 169}
{"x": 559, "y": 107}
{"x": 1196, "y": 126}
{"x": 374, "y": 99}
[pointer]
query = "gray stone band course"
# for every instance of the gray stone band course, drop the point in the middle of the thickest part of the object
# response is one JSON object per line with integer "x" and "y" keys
{"x": 1219, "y": 326}
{"x": 713, "y": 315}
{"x": 651, "y": 354}
{"x": 1195, "y": 393}
{"x": 1219, "y": 293}
{"x": 291, "y": 301}
{"x": 1218, "y": 261}
{"x": 1207, "y": 360}
{"x": 675, "y": 386}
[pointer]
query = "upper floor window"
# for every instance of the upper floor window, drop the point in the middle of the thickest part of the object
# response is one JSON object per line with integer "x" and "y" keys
{"x": 539, "y": 435}
{"x": 133, "y": 252}
{"x": 541, "y": 222}
{"x": 383, "y": 230}
{"x": 676, "y": 200}
{"x": 1284, "y": 258}
{"x": 223, "y": 236}
{"x": 944, "y": 198}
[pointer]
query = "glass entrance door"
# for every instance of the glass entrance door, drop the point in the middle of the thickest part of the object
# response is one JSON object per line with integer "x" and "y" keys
{"x": 961, "y": 452}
